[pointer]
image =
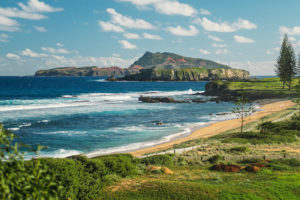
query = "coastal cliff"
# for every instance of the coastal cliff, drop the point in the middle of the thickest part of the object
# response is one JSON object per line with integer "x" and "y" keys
{"x": 187, "y": 74}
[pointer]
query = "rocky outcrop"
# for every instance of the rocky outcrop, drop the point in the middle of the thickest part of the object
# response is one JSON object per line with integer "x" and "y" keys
{"x": 159, "y": 100}
{"x": 83, "y": 71}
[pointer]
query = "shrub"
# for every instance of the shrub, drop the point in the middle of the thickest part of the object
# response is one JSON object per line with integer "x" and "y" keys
{"x": 238, "y": 149}
{"x": 120, "y": 164}
{"x": 165, "y": 160}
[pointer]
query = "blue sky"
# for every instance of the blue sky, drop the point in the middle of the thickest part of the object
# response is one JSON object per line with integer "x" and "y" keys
{"x": 40, "y": 34}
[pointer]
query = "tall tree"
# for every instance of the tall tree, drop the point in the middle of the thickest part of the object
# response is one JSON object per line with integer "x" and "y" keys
{"x": 286, "y": 63}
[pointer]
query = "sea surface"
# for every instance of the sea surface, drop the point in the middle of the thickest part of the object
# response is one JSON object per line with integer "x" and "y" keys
{"x": 74, "y": 115}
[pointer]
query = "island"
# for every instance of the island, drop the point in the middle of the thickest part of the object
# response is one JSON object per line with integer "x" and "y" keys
{"x": 157, "y": 67}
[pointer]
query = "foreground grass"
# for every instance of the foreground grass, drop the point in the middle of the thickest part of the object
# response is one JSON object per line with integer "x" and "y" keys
{"x": 199, "y": 183}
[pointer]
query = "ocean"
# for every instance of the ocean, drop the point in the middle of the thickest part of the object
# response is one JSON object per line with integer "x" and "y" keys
{"x": 87, "y": 115}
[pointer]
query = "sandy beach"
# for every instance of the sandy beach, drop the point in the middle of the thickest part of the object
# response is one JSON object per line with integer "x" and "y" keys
{"x": 267, "y": 107}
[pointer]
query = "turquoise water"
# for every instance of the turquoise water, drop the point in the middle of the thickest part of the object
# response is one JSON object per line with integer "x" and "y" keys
{"x": 73, "y": 115}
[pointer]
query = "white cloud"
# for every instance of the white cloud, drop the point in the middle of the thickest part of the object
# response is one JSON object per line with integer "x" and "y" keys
{"x": 40, "y": 28}
{"x": 107, "y": 26}
{"x": 168, "y": 7}
{"x": 127, "y": 45}
{"x": 218, "y": 45}
{"x": 204, "y": 12}
{"x": 151, "y": 36}
{"x": 128, "y": 22}
{"x": 17, "y": 13}
{"x": 209, "y": 25}
{"x": 290, "y": 31}
{"x": 269, "y": 52}
{"x": 242, "y": 39}
{"x": 4, "y": 37}
{"x": 12, "y": 56}
{"x": 174, "y": 8}
{"x": 178, "y": 30}
{"x": 131, "y": 36}
{"x": 221, "y": 51}
{"x": 32, "y": 11}
{"x": 32, "y": 54}
{"x": 7, "y": 24}
{"x": 59, "y": 44}
{"x": 55, "y": 51}
{"x": 38, "y": 6}
{"x": 214, "y": 38}
{"x": 203, "y": 51}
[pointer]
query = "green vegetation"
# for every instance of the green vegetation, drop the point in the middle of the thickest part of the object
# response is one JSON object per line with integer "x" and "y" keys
{"x": 20, "y": 179}
{"x": 278, "y": 132}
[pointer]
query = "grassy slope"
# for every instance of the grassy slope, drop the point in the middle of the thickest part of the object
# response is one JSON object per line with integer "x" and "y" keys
{"x": 268, "y": 87}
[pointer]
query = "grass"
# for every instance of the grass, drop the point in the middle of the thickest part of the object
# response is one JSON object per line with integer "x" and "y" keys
{"x": 261, "y": 88}
{"x": 199, "y": 183}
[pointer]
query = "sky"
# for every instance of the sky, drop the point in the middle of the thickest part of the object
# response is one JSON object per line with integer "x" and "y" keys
{"x": 43, "y": 34}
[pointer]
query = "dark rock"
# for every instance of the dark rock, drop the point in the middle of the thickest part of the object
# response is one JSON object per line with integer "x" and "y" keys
{"x": 112, "y": 78}
{"x": 252, "y": 168}
{"x": 198, "y": 101}
{"x": 226, "y": 168}
{"x": 159, "y": 123}
{"x": 159, "y": 100}
{"x": 198, "y": 93}
{"x": 223, "y": 113}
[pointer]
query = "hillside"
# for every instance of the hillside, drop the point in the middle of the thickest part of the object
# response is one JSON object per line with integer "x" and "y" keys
{"x": 172, "y": 61}
{"x": 173, "y": 67}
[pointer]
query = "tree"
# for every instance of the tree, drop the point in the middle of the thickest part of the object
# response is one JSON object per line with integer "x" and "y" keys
{"x": 243, "y": 109}
{"x": 286, "y": 63}
{"x": 20, "y": 179}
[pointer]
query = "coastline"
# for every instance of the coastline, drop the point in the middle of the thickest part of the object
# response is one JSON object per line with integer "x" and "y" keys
{"x": 266, "y": 107}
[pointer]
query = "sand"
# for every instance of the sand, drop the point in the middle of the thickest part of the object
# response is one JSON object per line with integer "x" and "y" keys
{"x": 220, "y": 127}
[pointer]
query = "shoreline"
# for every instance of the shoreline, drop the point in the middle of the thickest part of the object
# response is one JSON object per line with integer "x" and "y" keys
{"x": 267, "y": 106}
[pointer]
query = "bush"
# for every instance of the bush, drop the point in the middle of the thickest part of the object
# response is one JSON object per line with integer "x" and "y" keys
{"x": 215, "y": 159}
{"x": 238, "y": 149}
{"x": 165, "y": 160}
{"x": 120, "y": 164}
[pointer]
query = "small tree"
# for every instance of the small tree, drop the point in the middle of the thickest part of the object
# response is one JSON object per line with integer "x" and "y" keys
{"x": 243, "y": 109}
{"x": 286, "y": 63}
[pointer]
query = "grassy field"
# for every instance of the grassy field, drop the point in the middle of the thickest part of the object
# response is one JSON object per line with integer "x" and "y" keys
{"x": 258, "y": 88}
{"x": 199, "y": 183}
